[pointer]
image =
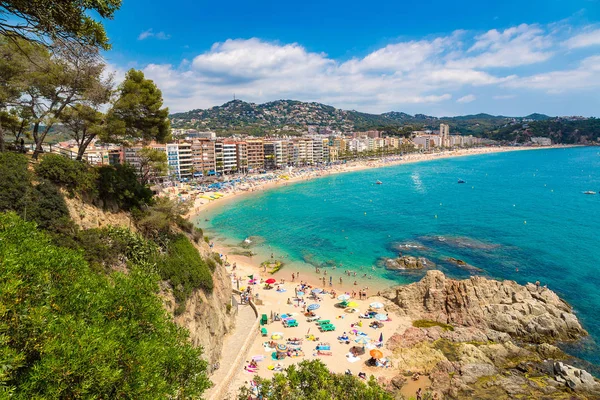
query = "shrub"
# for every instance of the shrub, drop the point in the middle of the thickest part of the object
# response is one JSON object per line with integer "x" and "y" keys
{"x": 68, "y": 332}
{"x": 15, "y": 182}
{"x": 184, "y": 268}
{"x": 119, "y": 185}
{"x": 74, "y": 176}
{"x": 49, "y": 210}
{"x": 312, "y": 380}
{"x": 110, "y": 246}
{"x": 42, "y": 203}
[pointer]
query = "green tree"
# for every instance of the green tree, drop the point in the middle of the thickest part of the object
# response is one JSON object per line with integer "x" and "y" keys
{"x": 119, "y": 186}
{"x": 137, "y": 113}
{"x": 55, "y": 81}
{"x": 69, "y": 332}
{"x": 75, "y": 176}
{"x": 312, "y": 380}
{"x": 84, "y": 124}
{"x": 57, "y": 20}
{"x": 14, "y": 60}
{"x": 152, "y": 164}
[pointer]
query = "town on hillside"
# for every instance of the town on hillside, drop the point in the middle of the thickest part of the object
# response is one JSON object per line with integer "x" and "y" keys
{"x": 196, "y": 154}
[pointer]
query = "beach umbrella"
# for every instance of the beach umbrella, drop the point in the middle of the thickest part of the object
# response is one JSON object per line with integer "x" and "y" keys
{"x": 277, "y": 336}
{"x": 352, "y": 304}
{"x": 381, "y": 317}
{"x": 363, "y": 340}
{"x": 251, "y": 276}
{"x": 376, "y": 305}
{"x": 283, "y": 347}
{"x": 343, "y": 297}
{"x": 317, "y": 290}
{"x": 313, "y": 307}
{"x": 271, "y": 281}
{"x": 376, "y": 354}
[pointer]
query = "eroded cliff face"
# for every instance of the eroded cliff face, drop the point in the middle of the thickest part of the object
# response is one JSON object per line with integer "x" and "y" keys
{"x": 208, "y": 317}
{"x": 530, "y": 312}
{"x": 88, "y": 216}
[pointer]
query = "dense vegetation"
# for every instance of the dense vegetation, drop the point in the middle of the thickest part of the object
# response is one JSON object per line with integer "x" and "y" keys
{"x": 184, "y": 269}
{"x": 312, "y": 380}
{"x": 97, "y": 329}
{"x": 69, "y": 332}
{"x": 40, "y": 202}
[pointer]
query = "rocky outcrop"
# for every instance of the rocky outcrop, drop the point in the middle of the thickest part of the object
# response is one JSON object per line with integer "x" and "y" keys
{"x": 489, "y": 341}
{"x": 531, "y": 313}
{"x": 575, "y": 378}
{"x": 407, "y": 262}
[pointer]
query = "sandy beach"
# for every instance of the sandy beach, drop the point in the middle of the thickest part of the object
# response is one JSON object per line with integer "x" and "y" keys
{"x": 286, "y": 304}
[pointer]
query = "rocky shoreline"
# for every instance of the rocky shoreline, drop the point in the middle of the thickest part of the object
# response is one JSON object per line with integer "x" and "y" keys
{"x": 485, "y": 339}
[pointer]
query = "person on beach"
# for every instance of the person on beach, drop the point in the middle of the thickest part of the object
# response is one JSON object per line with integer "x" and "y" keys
{"x": 340, "y": 280}
{"x": 293, "y": 277}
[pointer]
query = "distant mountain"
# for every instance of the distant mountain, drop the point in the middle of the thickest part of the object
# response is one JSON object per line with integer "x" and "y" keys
{"x": 290, "y": 116}
{"x": 538, "y": 117}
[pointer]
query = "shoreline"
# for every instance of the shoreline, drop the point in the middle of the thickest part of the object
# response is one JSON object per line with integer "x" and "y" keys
{"x": 250, "y": 265}
{"x": 270, "y": 301}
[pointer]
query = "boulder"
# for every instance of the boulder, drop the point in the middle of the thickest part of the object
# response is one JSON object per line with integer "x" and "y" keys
{"x": 470, "y": 373}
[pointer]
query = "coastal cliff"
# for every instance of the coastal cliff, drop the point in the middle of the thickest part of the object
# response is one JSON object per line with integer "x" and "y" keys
{"x": 485, "y": 339}
{"x": 207, "y": 316}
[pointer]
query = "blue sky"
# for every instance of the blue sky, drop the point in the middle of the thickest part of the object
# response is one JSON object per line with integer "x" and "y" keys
{"x": 432, "y": 57}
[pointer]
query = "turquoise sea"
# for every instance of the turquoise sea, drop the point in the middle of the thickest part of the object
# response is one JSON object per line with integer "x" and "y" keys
{"x": 520, "y": 210}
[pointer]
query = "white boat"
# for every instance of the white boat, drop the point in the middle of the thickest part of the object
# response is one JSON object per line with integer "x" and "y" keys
{"x": 589, "y": 192}
{"x": 379, "y": 182}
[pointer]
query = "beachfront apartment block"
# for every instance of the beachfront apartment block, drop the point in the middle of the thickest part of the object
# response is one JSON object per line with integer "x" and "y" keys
{"x": 444, "y": 135}
{"x": 179, "y": 159}
{"x": 256, "y": 154}
{"x": 276, "y": 154}
{"x": 203, "y": 157}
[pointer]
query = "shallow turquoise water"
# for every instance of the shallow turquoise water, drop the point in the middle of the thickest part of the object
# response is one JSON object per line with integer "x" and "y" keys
{"x": 520, "y": 210}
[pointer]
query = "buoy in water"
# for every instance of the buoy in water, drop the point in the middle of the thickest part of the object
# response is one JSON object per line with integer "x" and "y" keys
{"x": 365, "y": 213}
{"x": 435, "y": 215}
{"x": 524, "y": 222}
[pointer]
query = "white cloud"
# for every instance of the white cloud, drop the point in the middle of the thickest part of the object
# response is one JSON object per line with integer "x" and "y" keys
{"x": 520, "y": 45}
{"x": 149, "y": 34}
{"x": 585, "y": 76}
{"x": 428, "y": 71}
{"x": 586, "y": 39}
{"x": 466, "y": 99}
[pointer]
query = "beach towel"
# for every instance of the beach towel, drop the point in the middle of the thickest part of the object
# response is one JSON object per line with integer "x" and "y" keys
{"x": 351, "y": 358}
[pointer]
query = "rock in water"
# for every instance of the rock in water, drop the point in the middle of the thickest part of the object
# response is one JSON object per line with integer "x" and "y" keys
{"x": 408, "y": 262}
{"x": 531, "y": 313}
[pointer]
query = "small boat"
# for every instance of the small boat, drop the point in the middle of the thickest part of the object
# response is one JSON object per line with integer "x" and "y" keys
{"x": 461, "y": 181}
{"x": 589, "y": 192}
{"x": 379, "y": 182}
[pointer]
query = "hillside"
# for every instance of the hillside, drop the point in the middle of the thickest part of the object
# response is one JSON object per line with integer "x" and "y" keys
{"x": 291, "y": 115}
